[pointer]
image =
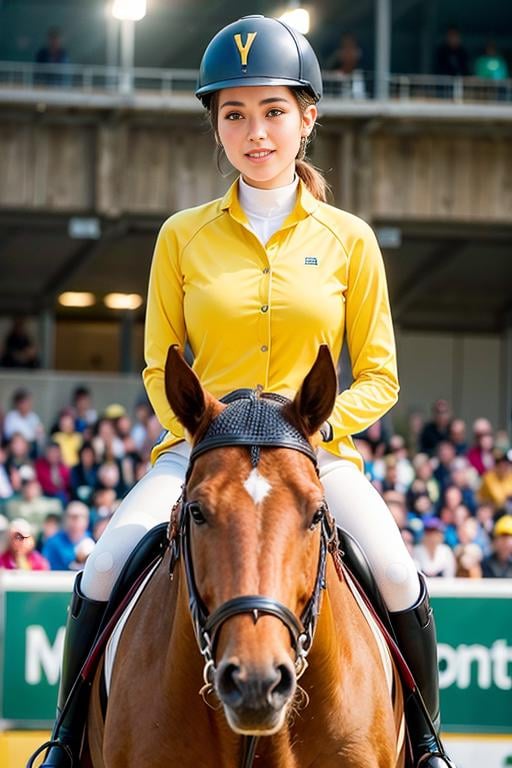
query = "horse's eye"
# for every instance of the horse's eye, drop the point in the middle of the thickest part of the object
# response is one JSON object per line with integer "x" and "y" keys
{"x": 318, "y": 516}
{"x": 196, "y": 513}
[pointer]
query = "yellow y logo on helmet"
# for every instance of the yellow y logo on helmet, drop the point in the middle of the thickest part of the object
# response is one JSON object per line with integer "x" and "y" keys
{"x": 244, "y": 49}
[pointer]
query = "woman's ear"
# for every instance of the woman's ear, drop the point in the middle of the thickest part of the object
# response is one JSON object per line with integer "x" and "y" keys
{"x": 309, "y": 117}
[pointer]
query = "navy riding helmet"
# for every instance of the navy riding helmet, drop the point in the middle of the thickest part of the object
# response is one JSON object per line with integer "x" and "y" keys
{"x": 256, "y": 50}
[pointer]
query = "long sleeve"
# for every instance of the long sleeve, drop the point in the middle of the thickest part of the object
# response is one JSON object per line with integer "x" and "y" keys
{"x": 370, "y": 340}
{"x": 165, "y": 324}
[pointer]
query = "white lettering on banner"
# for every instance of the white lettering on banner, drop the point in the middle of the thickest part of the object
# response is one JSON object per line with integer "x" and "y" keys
{"x": 458, "y": 665}
{"x": 42, "y": 656}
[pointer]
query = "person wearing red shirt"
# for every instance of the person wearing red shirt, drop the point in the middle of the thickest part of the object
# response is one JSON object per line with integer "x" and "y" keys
{"x": 52, "y": 473}
{"x": 21, "y": 553}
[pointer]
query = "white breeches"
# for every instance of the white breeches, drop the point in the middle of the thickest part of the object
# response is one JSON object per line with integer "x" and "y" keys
{"x": 353, "y": 501}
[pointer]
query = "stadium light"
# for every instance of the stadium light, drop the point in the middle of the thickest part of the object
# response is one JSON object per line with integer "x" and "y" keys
{"x": 129, "y": 301}
{"x": 129, "y": 10}
{"x": 298, "y": 18}
{"x": 77, "y": 299}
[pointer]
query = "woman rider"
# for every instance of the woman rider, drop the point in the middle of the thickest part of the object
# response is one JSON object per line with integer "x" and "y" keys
{"x": 255, "y": 282}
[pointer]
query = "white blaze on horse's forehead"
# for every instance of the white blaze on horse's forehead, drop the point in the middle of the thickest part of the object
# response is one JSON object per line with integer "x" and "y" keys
{"x": 256, "y": 486}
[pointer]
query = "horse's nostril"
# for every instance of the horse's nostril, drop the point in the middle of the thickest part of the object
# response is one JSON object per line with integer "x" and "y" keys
{"x": 283, "y": 686}
{"x": 229, "y": 684}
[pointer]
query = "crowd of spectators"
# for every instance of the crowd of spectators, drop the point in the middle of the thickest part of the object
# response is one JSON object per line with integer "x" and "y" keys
{"x": 450, "y": 494}
{"x": 60, "y": 486}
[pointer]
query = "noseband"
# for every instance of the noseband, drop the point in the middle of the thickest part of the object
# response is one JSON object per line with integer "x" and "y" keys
{"x": 254, "y": 420}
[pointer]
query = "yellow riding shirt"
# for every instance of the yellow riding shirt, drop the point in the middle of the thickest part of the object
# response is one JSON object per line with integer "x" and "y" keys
{"x": 256, "y": 315}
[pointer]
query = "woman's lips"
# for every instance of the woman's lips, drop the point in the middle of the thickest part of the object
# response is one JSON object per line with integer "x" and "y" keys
{"x": 259, "y": 155}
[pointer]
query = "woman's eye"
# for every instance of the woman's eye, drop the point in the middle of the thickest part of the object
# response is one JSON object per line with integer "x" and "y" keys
{"x": 196, "y": 513}
{"x": 274, "y": 112}
{"x": 234, "y": 116}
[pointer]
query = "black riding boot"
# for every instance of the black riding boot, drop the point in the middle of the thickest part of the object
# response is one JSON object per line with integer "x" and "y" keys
{"x": 82, "y": 626}
{"x": 415, "y": 633}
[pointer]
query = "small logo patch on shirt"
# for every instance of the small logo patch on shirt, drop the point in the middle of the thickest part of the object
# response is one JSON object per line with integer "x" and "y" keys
{"x": 311, "y": 260}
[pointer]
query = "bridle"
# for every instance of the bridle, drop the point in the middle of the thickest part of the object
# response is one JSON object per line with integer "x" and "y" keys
{"x": 252, "y": 419}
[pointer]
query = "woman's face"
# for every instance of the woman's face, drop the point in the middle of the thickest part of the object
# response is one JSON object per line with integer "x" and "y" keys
{"x": 260, "y": 128}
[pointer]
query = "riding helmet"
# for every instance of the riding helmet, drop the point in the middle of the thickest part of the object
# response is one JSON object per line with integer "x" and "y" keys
{"x": 257, "y": 50}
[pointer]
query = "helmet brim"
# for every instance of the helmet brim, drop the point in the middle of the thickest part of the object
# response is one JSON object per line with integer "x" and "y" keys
{"x": 236, "y": 82}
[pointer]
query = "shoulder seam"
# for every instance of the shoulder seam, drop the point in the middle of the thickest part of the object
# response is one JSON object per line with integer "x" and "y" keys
{"x": 206, "y": 223}
{"x": 331, "y": 230}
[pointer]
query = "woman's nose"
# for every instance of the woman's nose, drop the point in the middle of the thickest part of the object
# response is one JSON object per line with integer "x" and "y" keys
{"x": 257, "y": 130}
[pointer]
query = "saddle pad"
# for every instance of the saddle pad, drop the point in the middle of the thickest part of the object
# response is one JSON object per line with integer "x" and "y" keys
{"x": 113, "y": 641}
{"x": 384, "y": 651}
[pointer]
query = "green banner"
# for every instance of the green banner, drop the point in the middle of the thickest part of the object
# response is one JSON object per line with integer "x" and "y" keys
{"x": 474, "y": 632}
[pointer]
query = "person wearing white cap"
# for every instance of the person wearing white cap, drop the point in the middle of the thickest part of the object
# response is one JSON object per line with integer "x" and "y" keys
{"x": 21, "y": 553}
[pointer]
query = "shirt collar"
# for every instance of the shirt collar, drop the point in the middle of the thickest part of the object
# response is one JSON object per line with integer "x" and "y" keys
{"x": 267, "y": 203}
{"x": 306, "y": 204}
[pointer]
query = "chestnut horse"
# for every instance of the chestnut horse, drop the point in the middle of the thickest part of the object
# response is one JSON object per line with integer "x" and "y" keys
{"x": 252, "y": 580}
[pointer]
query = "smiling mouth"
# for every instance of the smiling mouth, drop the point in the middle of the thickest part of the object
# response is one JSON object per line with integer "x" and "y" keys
{"x": 259, "y": 154}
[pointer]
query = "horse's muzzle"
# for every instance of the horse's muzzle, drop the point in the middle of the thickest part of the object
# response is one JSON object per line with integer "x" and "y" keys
{"x": 255, "y": 700}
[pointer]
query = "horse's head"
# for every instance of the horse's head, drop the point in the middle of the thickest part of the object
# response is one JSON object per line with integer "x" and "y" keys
{"x": 253, "y": 528}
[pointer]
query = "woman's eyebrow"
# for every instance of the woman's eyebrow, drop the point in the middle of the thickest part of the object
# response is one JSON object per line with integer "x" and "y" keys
{"x": 270, "y": 100}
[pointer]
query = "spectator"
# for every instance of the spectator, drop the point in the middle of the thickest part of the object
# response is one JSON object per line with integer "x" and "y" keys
{"x": 480, "y": 455}
{"x": 452, "y": 57}
{"x": 490, "y": 64}
{"x": 51, "y": 525}
{"x": 21, "y": 419}
{"x": 457, "y": 436}
{"x": 84, "y": 474}
{"x": 85, "y": 415}
{"x": 21, "y": 553}
{"x": 445, "y": 457}
{"x": 139, "y": 431}
{"x": 107, "y": 445}
{"x": 19, "y": 350}
{"x": 52, "y": 53}
{"x": 464, "y": 478}
{"x": 497, "y": 483}
{"x": 499, "y": 564}
{"x": 432, "y": 556}
{"x": 60, "y": 550}
{"x": 485, "y": 517}
{"x": 346, "y": 61}
{"x": 468, "y": 559}
{"x": 32, "y": 505}
{"x": 436, "y": 430}
{"x": 105, "y": 503}
{"x": 68, "y": 438}
{"x": 53, "y": 474}
{"x": 424, "y": 469}
{"x": 418, "y": 500}
{"x": 397, "y": 458}
{"x": 18, "y": 463}
{"x": 109, "y": 476}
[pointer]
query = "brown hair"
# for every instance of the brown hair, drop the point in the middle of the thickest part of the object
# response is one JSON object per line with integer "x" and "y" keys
{"x": 312, "y": 177}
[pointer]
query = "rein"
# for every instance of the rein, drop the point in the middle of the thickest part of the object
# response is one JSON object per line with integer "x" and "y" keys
{"x": 253, "y": 420}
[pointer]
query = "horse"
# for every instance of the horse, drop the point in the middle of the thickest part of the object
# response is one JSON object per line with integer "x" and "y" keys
{"x": 249, "y": 607}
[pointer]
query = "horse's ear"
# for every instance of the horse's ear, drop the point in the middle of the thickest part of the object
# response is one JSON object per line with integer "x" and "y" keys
{"x": 185, "y": 394}
{"x": 315, "y": 399}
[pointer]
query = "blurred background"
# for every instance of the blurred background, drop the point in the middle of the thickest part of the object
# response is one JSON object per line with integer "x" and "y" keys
{"x": 101, "y": 139}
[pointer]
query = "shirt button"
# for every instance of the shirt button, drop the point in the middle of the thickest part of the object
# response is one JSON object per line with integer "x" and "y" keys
{"x": 264, "y": 348}
{"x": 264, "y": 308}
